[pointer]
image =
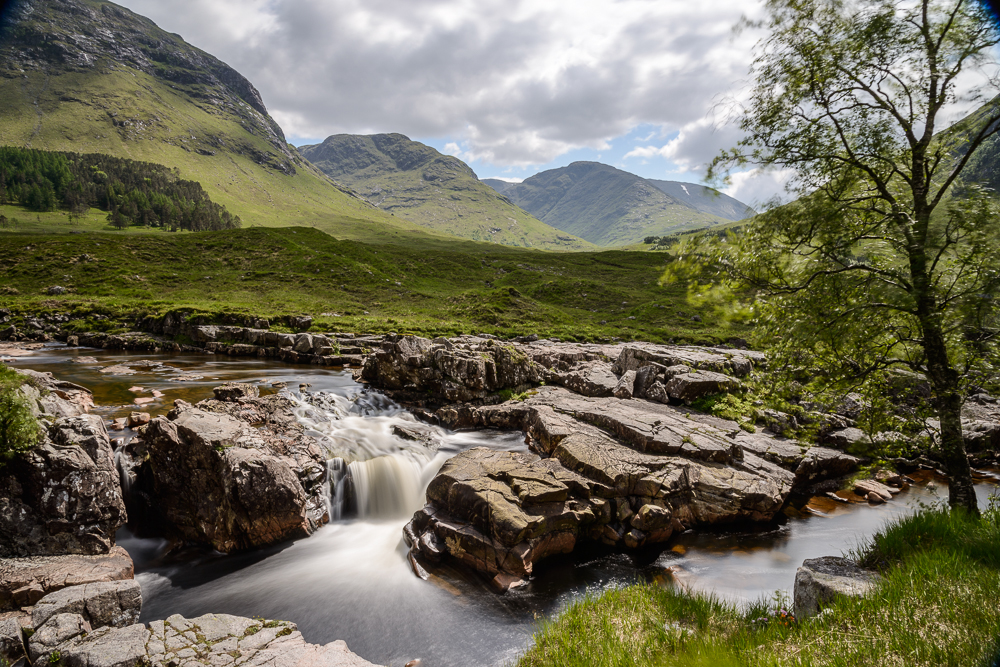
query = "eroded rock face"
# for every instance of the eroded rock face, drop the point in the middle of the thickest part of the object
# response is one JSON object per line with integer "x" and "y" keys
{"x": 113, "y": 603}
{"x": 216, "y": 481}
{"x": 626, "y": 472}
{"x": 63, "y": 496}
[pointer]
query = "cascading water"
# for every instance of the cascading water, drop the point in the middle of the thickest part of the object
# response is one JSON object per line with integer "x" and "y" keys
{"x": 373, "y": 472}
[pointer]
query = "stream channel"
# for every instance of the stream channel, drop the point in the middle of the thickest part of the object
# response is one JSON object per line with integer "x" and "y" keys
{"x": 351, "y": 580}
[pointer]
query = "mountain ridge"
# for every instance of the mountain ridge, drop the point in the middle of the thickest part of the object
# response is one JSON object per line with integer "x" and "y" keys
{"x": 608, "y": 206}
{"x": 441, "y": 192}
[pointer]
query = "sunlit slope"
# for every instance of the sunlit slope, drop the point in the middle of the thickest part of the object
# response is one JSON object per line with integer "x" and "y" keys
{"x": 89, "y": 76}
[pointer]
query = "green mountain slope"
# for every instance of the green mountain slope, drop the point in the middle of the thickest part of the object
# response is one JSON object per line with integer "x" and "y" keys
{"x": 604, "y": 205}
{"x": 92, "y": 77}
{"x": 705, "y": 199}
{"x": 413, "y": 180}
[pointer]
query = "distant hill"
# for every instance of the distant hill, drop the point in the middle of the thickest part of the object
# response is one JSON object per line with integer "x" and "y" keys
{"x": 497, "y": 184}
{"x": 412, "y": 180}
{"x": 608, "y": 206}
{"x": 705, "y": 199}
{"x": 92, "y": 77}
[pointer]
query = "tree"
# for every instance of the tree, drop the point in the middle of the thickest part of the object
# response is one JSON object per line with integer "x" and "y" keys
{"x": 887, "y": 259}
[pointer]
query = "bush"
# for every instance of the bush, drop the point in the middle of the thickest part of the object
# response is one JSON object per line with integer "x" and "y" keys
{"x": 18, "y": 427}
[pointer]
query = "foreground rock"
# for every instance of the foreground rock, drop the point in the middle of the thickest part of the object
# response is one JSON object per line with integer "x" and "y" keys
{"x": 95, "y": 626}
{"x": 821, "y": 580}
{"x": 64, "y": 495}
{"x": 622, "y": 472}
{"x": 25, "y": 581}
{"x": 215, "y": 479}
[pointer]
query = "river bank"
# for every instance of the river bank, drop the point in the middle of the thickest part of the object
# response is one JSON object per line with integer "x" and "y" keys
{"x": 351, "y": 579}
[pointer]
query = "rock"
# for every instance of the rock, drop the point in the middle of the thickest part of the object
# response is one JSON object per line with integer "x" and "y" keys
{"x": 137, "y": 419}
{"x": 218, "y": 637}
{"x": 107, "y": 647}
{"x": 504, "y": 511}
{"x": 119, "y": 424}
{"x": 303, "y": 343}
{"x": 689, "y": 386}
{"x": 657, "y": 392}
{"x": 852, "y": 406}
{"x": 780, "y": 423}
{"x": 867, "y": 487}
{"x": 468, "y": 370}
{"x": 49, "y": 637}
{"x": 874, "y": 498}
{"x": 216, "y": 480}
{"x": 115, "y": 603}
{"x": 820, "y": 580}
{"x": 234, "y": 391}
{"x": 56, "y": 290}
{"x": 625, "y": 385}
{"x": 300, "y": 323}
{"x": 846, "y": 437}
{"x": 64, "y": 495}
{"x": 589, "y": 378}
{"x": 45, "y": 574}
{"x": 737, "y": 362}
{"x": 12, "y": 646}
{"x": 417, "y": 432}
{"x": 72, "y": 341}
{"x": 53, "y": 397}
{"x": 821, "y": 463}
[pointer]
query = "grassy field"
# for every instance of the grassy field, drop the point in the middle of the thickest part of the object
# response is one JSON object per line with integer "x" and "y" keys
{"x": 936, "y": 606}
{"x": 405, "y": 283}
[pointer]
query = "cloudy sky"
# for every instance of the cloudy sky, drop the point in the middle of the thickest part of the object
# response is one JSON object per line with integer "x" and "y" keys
{"x": 512, "y": 87}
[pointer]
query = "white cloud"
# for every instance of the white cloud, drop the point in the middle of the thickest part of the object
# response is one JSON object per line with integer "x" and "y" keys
{"x": 513, "y": 82}
{"x": 757, "y": 188}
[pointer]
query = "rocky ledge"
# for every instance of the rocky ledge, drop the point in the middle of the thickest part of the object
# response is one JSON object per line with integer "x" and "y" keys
{"x": 616, "y": 457}
{"x": 96, "y": 625}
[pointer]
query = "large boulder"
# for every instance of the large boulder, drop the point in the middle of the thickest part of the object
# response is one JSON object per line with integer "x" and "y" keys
{"x": 216, "y": 480}
{"x": 821, "y": 580}
{"x": 463, "y": 370}
{"x": 12, "y": 646}
{"x": 55, "y": 398}
{"x": 24, "y": 581}
{"x": 62, "y": 496}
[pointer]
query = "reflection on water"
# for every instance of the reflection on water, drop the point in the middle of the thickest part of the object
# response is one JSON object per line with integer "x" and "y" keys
{"x": 351, "y": 579}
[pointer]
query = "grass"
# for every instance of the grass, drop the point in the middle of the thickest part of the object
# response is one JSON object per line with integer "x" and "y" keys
{"x": 421, "y": 284}
{"x": 936, "y": 606}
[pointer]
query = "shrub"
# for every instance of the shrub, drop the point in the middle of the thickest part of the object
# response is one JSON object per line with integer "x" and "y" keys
{"x": 18, "y": 427}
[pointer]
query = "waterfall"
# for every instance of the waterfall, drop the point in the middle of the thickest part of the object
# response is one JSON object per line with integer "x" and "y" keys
{"x": 386, "y": 487}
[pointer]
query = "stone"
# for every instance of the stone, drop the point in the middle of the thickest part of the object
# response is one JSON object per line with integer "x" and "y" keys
{"x": 303, "y": 344}
{"x": 300, "y": 323}
{"x": 62, "y": 496}
{"x": 58, "y": 630}
{"x": 46, "y": 574}
{"x": 625, "y": 385}
{"x": 115, "y": 603}
{"x": 12, "y": 646}
{"x": 690, "y": 386}
{"x": 874, "y": 498}
{"x": 820, "y": 580}
{"x": 867, "y": 487}
{"x": 137, "y": 419}
{"x": 56, "y": 290}
{"x": 216, "y": 480}
{"x": 234, "y": 391}
{"x": 54, "y": 397}
{"x": 846, "y": 437}
{"x": 589, "y": 378}
{"x": 107, "y": 647}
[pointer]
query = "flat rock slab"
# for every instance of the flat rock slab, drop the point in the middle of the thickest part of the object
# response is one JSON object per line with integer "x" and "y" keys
{"x": 41, "y": 575}
{"x": 111, "y": 603}
{"x": 820, "y": 580}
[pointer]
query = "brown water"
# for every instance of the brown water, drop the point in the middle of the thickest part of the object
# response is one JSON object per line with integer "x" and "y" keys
{"x": 351, "y": 581}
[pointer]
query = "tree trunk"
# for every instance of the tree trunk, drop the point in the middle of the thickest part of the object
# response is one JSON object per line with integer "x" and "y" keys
{"x": 948, "y": 403}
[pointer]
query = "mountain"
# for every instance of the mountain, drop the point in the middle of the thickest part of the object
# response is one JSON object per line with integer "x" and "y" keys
{"x": 92, "y": 77}
{"x": 497, "y": 184}
{"x": 705, "y": 199}
{"x": 607, "y": 206}
{"x": 413, "y": 180}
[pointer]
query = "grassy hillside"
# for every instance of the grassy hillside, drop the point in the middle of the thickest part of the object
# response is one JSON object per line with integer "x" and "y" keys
{"x": 605, "y": 205}
{"x": 92, "y": 77}
{"x": 440, "y": 192}
{"x": 434, "y": 286}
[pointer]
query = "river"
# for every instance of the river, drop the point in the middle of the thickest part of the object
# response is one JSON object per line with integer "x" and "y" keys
{"x": 351, "y": 580}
